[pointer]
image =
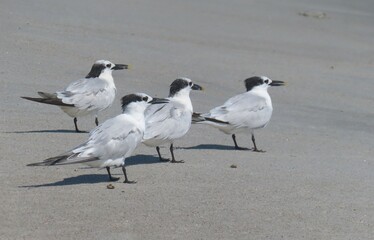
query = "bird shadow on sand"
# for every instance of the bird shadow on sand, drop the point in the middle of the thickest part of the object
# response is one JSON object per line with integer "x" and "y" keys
{"x": 97, "y": 178}
{"x": 142, "y": 159}
{"x": 210, "y": 147}
{"x": 81, "y": 179}
{"x": 48, "y": 131}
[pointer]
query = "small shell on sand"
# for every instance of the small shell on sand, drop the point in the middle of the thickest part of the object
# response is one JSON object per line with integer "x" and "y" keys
{"x": 319, "y": 15}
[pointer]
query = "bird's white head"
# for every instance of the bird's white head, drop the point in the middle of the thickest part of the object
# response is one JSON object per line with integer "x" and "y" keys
{"x": 182, "y": 86}
{"x": 102, "y": 68}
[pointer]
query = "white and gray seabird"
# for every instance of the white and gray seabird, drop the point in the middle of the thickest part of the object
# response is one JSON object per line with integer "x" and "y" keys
{"x": 89, "y": 95}
{"x": 110, "y": 143}
{"x": 244, "y": 112}
{"x": 170, "y": 121}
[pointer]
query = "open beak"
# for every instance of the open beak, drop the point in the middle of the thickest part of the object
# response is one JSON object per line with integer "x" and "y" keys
{"x": 275, "y": 83}
{"x": 159, "y": 101}
{"x": 197, "y": 87}
{"x": 120, "y": 66}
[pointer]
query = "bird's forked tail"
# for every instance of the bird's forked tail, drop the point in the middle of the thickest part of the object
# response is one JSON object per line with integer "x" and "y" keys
{"x": 48, "y": 98}
{"x": 202, "y": 118}
{"x": 50, "y": 161}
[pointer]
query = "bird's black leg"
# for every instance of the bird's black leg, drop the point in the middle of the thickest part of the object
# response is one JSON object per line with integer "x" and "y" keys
{"x": 255, "y": 149}
{"x": 97, "y": 121}
{"x": 76, "y": 126}
{"x": 126, "y": 179}
{"x": 159, "y": 155}
{"x": 236, "y": 145}
{"x": 112, "y": 179}
{"x": 172, "y": 155}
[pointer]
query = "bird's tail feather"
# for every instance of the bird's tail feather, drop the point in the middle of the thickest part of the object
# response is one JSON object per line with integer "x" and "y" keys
{"x": 47, "y": 95}
{"x": 196, "y": 117}
{"x": 199, "y": 118}
{"x": 50, "y": 161}
{"x": 64, "y": 160}
{"x": 48, "y": 98}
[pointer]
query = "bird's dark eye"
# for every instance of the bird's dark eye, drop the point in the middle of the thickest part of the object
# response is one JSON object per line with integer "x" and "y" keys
{"x": 266, "y": 81}
{"x": 190, "y": 83}
{"x": 108, "y": 65}
{"x": 145, "y": 99}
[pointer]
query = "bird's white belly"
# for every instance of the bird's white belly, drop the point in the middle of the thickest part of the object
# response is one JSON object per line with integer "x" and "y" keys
{"x": 76, "y": 112}
{"x": 118, "y": 162}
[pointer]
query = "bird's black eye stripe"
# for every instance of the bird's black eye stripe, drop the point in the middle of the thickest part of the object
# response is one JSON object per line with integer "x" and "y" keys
{"x": 145, "y": 99}
{"x": 266, "y": 81}
{"x": 190, "y": 83}
{"x": 108, "y": 65}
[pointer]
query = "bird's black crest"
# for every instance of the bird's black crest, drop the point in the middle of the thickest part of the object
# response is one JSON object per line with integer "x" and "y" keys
{"x": 126, "y": 100}
{"x": 95, "y": 70}
{"x": 177, "y": 85}
{"x": 252, "y": 82}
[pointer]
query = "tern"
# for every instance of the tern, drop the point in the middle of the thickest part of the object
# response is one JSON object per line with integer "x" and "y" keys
{"x": 89, "y": 95}
{"x": 110, "y": 143}
{"x": 243, "y": 113}
{"x": 170, "y": 121}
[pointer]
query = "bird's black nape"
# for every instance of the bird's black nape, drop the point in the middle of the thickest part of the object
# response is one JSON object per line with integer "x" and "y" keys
{"x": 253, "y": 82}
{"x": 177, "y": 85}
{"x": 126, "y": 100}
{"x": 96, "y": 70}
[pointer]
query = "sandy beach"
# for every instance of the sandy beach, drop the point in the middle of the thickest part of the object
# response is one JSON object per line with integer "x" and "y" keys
{"x": 315, "y": 180}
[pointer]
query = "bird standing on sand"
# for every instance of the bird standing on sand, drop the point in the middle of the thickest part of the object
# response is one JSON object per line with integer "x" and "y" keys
{"x": 113, "y": 141}
{"x": 89, "y": 95}
{"x": 244, "y": 112}
{"x": 170, "y": 121}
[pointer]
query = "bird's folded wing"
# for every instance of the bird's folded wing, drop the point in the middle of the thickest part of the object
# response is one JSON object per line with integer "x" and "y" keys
{"x": 48, "y": 98}
{"x": 116, "y": 137}
{"x": 163, "y": 121}
{"x": 236, "y": 107}
{"x": 86, "y": 93}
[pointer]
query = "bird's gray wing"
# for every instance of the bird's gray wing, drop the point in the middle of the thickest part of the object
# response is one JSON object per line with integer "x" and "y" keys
{"x": 166, "y": 121}
{"x": 115, "y": 138}
{"x": 157, "y": 112}
{"x": 238, "y": 109}
{"x": 87, "y": 93}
